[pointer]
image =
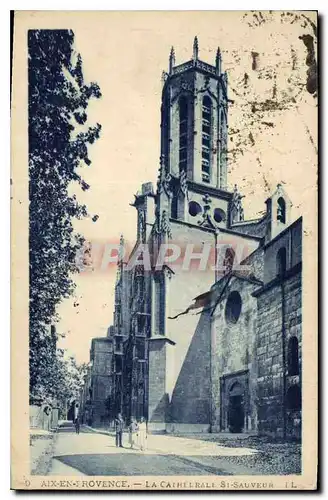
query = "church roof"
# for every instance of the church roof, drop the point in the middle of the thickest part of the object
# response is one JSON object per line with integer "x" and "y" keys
{"x": 256, "y": 228}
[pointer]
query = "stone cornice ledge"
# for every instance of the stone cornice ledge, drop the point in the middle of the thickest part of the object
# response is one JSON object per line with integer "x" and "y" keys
{"x": 161, "y": 337}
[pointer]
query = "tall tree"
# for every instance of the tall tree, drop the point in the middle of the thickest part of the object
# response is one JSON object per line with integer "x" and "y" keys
{"x": 58, "y": 144}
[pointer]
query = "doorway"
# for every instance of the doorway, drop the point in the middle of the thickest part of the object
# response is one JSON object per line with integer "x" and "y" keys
{"x": 234, "y": 402}
{"x": 236, "y": 411}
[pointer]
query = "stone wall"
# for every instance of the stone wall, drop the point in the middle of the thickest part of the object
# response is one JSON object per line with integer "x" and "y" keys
{"x": 293, "y": 329}
{"x": 279, "y": 327}
{"x": 183, "y": 287}
{"x": 157, "y": 395}
{"x": 43, "y": 417}
{"x": 187, "y": 373}
{"x": 279, "y": 319}
{"x": 102, "y": 352}
{"x": 234, "y": 354}
{"x": 190, "y": 403}
{"x": 291, "y": 240}
{"x": 270, "y": 362}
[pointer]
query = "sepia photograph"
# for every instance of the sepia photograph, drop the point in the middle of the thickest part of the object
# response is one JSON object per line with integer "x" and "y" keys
{"x": 164, "y": 250}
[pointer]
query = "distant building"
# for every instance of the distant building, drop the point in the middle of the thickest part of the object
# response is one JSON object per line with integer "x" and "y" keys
{"x": 95, "y": 394}
{"x": 86, "y": 398}
{"x": 235, "y": 364}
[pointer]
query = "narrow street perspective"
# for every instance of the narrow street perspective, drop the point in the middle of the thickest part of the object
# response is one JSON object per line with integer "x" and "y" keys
{"x": 94, "y": 453}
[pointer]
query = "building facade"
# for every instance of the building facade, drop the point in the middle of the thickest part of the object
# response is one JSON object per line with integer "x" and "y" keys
{"x": 231, "y": 360}
{"x": 95, "y": 397}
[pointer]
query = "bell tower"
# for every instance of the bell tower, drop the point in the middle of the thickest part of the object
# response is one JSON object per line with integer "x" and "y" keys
{"x": 194, "y": 120}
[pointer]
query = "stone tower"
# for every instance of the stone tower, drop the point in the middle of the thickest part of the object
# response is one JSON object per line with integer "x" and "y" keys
{"x": 194, "y": 133}
{"x": 194, "y": 120}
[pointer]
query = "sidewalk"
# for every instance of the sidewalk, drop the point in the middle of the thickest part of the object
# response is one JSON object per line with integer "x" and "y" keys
{"x": 41, "y": 450}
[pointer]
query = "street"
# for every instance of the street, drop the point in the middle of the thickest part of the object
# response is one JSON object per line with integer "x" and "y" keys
{"x": 95, "y": 454}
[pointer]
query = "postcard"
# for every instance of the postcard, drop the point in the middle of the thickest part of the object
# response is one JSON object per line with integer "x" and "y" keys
{"x": 164, "y": 250}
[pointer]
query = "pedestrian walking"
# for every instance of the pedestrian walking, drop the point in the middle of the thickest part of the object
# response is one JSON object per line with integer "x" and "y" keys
{"x": 133, "y": 432}
{"x": 77, "y": 425}
{"x": 119, "y": 426}
{"x": 142, "y": 434}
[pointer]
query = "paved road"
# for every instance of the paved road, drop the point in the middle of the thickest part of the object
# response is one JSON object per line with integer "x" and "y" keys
{"x": 91, "y": 453}
{"x": 94, "y": 454}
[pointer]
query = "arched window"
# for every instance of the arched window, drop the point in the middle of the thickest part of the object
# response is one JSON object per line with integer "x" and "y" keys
{"x": 183, "y": 133}
{"x": 236, "y": 389}
{"x": 206, "y": 138}
{"x": 118, "y": 364}
{"x": 281, "y": 210}
{"x": 293, "y": 364}
{"x": 294, "y": 398}
{"x": 166, "y": 125}
{"x": 140, "y": 349}
{"x": 233, "y": 307}
{"x": 160, "y": 306}
{"x": 139, "y": 282}
{"x": 281, "y": 262}
{"x": 222, "y": 124}
{"x": 223, "y": 148}
{"x": 228, "y": 260}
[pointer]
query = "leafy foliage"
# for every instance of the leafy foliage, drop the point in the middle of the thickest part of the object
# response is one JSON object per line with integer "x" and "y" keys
{"x": 69, "y": 380}
{"x": 58, "y": 147}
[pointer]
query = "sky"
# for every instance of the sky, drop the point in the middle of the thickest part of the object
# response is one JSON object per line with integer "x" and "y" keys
{"x": 125, "y": 53}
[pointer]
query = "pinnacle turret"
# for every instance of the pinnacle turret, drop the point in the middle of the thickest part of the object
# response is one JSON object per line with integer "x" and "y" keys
{"x": 218, "y": 61}
{"x": 195, "y": 49}
{"x": 171, "y": 60}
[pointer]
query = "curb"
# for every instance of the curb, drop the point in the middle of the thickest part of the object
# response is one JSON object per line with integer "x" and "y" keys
{"x": 98, "y": 431}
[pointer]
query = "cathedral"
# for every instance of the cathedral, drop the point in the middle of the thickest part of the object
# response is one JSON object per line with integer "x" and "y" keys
{"x": 197, "y": 347}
